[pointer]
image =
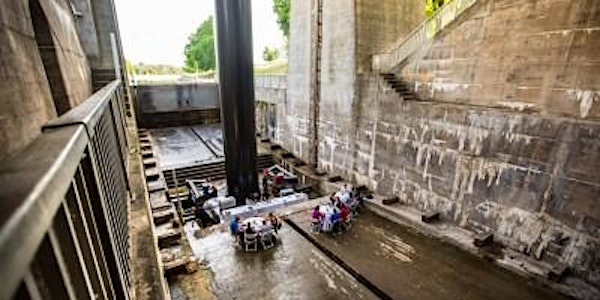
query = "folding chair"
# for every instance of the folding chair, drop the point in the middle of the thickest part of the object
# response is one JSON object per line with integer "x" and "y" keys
{"x": 267, "y": 240}
{"x": 250, "y": 242}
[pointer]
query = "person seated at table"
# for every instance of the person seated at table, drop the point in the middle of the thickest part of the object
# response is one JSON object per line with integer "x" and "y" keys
{"x": 345, "y": 213}
{"x": 274, "y": 221}
{"x": 344, "y": 188}
{"x": 249, "y": 229}
{"x": 317, "y": 216}
{"x": 336, "y": 220}
{"x": 213, "y": 191}
{"x": 332, "y": 198}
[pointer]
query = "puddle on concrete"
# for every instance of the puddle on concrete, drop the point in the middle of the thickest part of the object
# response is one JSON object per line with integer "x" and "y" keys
{"x": 407, "y": 265}
{"x": 185, "y": 146}
{"x": 294, "y": 269}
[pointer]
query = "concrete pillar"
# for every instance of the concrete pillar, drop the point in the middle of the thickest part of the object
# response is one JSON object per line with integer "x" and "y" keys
{"x": 236, "y": 88}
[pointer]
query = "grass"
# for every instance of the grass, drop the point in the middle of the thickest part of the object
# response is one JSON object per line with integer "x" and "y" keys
{"x": 276, "y": 68}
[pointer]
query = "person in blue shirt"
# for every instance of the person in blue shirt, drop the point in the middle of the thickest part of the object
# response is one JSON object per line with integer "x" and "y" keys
{"x": 234, "y": 226}
{"x": 336, "y": 219}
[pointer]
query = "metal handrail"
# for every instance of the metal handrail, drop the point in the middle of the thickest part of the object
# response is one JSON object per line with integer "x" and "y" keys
{"x": 406, "y": 46}
{"x": 32, "y": 187}
{"x": 37, "y": 186}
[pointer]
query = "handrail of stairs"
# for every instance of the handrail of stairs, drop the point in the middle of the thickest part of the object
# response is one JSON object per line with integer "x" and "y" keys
{"x": 406, "y": 46}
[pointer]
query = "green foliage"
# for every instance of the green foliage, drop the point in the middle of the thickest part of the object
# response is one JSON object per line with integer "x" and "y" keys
{"x": 431, "y": 6}
{"x": 151, "y": 69}
{"x": 200, "y": 49}
{"x": 282, "y": 10}
{"x": 270, "y": 54}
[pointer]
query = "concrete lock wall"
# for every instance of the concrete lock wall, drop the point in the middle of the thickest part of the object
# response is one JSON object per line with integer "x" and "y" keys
{"x": 292, "y": 127}
{"x": 25, "y": 94}
{"x": 352, "y": 32}
{"x": 507, "y": 136}
{"x": 270, "y": 92}
{"x": 177, "y": 104}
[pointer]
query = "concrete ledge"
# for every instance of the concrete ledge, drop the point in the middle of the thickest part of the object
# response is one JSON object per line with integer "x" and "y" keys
{"x": 464, "y": 240}
{"x": 360, "y": 278}
{"x": 483, "y": 239}
{"x": 430, "y": 217}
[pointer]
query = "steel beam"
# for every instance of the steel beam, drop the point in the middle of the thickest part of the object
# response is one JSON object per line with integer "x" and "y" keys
{"x": 236, "y": 89}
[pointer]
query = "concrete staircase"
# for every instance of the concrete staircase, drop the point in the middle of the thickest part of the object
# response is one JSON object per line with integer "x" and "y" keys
{"x": 395, "y": 57}
{"x": 213, "y": 170}
{"x": 399, "y": 86}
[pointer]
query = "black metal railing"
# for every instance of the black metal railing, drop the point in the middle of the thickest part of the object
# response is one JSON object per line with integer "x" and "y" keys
{"x": 64, "y": 207}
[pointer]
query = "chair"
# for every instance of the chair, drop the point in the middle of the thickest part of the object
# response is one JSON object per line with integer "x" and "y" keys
{"x": 316, "y": 226}
{"x": 250, "y": 242}
{"x": 267, "y": 240}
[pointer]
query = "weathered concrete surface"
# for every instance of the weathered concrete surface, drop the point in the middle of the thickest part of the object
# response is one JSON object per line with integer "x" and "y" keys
{"x": 270, "y": 92}
{"x": 292, "y": 116}
{"x": 25, "y": 95}
{"x": 185, "y": 146}
{"x": 406, "y": 265}
{"x": 507, "y": 139}
{"x": 179, "y": 104}
{"x": 352, "y": 31}
{"x": 177, "y": 97}
{"x": 294, "y": 269}
{"x": 148, "y": 280}
{"x": 539, "y": 56}
{"x": 381, "y": 24}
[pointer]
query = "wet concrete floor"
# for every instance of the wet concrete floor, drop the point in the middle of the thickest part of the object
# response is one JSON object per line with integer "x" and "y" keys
{"x": 407, "y": 265}
{"x": 187, "y": 145}
{"x": 294, "y": 269}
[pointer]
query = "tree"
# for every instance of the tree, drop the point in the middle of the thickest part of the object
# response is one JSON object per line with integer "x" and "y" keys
{"x": 270, "y": 54}
{"x": 282, "y": 10}
{"x": 431, "y": 6}
{"x": 200, "y": 49}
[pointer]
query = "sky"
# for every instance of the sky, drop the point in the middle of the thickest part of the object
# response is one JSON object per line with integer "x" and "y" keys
{"x": 156, "y": 31}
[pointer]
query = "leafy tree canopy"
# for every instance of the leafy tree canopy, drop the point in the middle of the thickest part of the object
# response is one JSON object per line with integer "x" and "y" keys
{"x": 282, "y": 10}
{"x": 270, "y": 54}
{"x": 200, "y": 49}
{"x": 431, "y": 6}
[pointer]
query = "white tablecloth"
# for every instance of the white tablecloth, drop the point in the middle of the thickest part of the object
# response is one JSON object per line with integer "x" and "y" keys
{"x": 257, "y": 224}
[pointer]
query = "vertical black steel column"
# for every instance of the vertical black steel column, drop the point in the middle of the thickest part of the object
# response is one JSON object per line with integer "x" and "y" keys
{"x": 236, "y": 88}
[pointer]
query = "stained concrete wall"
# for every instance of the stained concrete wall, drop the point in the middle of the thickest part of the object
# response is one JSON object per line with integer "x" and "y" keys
{"x": 293, "y": 115}
{"x": 270, "y": 92}
{"x": 352, "y": 32}
{"x": 507, "y": 137}
{"x": 24, "y": 91}
{"x": 381, "y": 24}
{"x": 177, "y": 104}
{"x": 177, "y": 97}
{"x": 338, "y": 75}
{"x": 510, "y": 136}
{"x": 95, "y": 23}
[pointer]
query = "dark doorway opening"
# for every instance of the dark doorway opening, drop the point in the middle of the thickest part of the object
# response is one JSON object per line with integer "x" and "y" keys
{"x": 47, "y": 48}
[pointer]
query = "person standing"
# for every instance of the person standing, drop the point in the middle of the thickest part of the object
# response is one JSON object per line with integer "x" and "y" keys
{"x": 234, "y": 226}
{"x": 265, "y": 187}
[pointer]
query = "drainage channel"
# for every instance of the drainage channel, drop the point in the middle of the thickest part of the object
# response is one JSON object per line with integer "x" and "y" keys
{"x": 363, "y": 280}
{"x": 205, "y": 143}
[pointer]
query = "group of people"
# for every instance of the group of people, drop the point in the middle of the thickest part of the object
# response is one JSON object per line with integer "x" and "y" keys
{"x": 265, "y": 228}
{"x": 209, "y": 191}
{"x": 337, "y": 216}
